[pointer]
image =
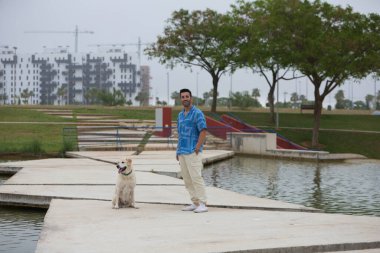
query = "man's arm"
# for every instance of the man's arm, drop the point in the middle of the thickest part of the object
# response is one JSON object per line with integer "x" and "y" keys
{"x": 201, "y": 140}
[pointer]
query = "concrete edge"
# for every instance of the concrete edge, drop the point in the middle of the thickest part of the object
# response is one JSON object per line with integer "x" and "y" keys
{"x": 38, "y": 201}
{"x": 316, "y": 248}
{"x": 9, "y": 170}
{"x": 218, "y": 158}
{"x": 259, "y": 208}
{"x": 302, "y": 158}
{"x": 165, "y": 173}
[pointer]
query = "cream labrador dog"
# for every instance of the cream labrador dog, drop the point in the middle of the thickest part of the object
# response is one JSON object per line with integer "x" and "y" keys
{"x": 125, "y": 186}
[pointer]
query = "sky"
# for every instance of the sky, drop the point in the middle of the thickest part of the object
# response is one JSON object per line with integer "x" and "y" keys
{"x": 125, "y": 21}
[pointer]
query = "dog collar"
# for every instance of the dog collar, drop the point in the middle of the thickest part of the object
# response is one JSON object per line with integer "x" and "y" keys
{"x": 126, "y": 174}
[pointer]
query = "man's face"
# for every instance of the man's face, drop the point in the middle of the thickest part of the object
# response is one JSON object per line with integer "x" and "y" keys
{"x": 186, "y": 99}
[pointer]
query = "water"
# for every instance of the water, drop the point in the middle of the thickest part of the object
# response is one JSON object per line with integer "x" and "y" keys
{"x": 333, "y": 187}
{"x": 19, "y": 228}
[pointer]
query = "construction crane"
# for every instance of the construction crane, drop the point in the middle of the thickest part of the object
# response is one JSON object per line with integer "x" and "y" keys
{"x": 138, "y": 44}
{"x": 76, "y": 32}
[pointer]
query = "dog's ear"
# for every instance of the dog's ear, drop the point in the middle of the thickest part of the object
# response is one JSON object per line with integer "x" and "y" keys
{"x": 129, "y": 160}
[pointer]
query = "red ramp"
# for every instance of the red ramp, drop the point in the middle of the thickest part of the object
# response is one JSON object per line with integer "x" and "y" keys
{"x": 219, "y": 129}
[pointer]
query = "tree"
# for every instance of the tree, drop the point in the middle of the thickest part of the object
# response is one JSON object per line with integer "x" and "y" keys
{"x": 360, "y": 105}
{"x": 91, "y": 96}
{"x": 368, "y": 100}
{"x": 255, "y": 93}
{"x": 25, "y": 95}
{"x": 377, "y": 100}
{"x": 261, "y": 42}
{"x": 329, "y": 45}
{"x": 129, "y": 102}
{"x": 294, "y": 98}
{"x": 339, "y": 97}
{"x": 3, "y": 97}
{"x": 243, "y": 100}
{"x": 111, "y": 99}
{"x": 197, "y": 38}
{"x": 208, "y": 95}
{"x": 143, "y": 98}
{"x": 176, "y": 97}
{"x": 223, "y": 101}
{"x": 303, "y": 99}
{"x": 61, "y": 93}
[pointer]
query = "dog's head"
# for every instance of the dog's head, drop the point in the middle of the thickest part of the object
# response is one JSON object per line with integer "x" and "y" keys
{"x": 123, "y": 165}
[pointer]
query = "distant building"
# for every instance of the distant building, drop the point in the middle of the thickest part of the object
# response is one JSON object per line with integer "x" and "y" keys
{"x": 59, "y": 77}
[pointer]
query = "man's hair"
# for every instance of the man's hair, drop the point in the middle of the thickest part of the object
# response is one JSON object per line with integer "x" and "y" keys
{"x": 184, "y": 90}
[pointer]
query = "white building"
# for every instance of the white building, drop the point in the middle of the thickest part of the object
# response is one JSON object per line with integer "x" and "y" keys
{"x": 59, "y": 77}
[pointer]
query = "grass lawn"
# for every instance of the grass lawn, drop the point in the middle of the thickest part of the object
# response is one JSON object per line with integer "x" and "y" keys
{"x": 123, "y": 112}
{"x": 24, "y": 135}
{"x": 18, "y": 137}
{"x": 27, "y": 114}
{"x": 328, "y": 121}
{"x": 367, "y": 144}
{"x": 339, "y": 142}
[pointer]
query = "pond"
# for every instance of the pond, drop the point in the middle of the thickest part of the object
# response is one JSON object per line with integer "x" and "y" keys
{"x": 19, "y": 228}
{"x": 350, "y": 188}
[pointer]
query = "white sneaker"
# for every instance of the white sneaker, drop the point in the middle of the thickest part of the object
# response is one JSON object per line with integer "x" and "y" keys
{"x": 191, "y": 207}
{"x": 201, "y": 208}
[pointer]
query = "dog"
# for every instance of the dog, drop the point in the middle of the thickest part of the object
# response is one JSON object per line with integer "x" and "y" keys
{"x": 125, "y": 186}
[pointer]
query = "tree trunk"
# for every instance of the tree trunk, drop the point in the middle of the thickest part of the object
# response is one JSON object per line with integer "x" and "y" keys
{"x": 271, "y": 102}
{"x": 317, "y": 119}
{"x": 215, "y": 81}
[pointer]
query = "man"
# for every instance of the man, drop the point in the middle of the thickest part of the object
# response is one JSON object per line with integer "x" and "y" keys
{"x": 191, "y": 126}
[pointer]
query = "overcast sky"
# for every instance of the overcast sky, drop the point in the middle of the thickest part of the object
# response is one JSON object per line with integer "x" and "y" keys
{"x": 124, "y": 21}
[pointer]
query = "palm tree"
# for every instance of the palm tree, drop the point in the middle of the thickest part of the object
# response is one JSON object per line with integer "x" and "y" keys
{"x": 25, "y": 95}
{"x": 255, "y": 93}
{"x": 61, "y": 93}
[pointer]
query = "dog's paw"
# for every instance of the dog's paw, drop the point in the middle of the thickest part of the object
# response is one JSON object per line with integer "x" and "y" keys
{"x": 115, "y": 207}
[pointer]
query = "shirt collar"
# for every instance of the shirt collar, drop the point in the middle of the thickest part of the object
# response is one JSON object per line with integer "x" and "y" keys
{"x": 191, "y": 108}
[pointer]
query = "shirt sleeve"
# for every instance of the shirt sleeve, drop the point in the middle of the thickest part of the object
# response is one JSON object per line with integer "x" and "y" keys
{"x": 201, "y": 121}
{"x": 178, "y": 133}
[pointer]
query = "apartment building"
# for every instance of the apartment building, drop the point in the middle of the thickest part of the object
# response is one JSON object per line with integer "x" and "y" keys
{"x": 58, "y": 77}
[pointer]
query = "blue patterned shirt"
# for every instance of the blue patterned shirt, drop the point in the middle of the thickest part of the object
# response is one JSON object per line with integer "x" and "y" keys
{"x": 189, "y": 128}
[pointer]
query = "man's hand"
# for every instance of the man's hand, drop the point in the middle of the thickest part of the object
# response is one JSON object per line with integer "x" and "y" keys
{"x": 177, "y": 157}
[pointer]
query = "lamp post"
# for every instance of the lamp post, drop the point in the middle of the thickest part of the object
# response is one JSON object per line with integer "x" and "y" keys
{"x": 197, "y": 89}
{"x": 230, "y": 95}
{"x": 15, "y": 74}
{"x": 278, "y": 99}
{"x": 375, "y": 95}
{"x": 167, "y": 76}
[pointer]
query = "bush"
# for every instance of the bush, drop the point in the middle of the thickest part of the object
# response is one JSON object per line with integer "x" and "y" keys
{"x": 67, "y": 146}
{"x": 33, "y": 147}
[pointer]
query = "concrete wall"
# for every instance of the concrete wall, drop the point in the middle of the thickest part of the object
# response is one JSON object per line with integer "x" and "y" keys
{"x": 266, "y": 144}
{"x": 253, "y": 143}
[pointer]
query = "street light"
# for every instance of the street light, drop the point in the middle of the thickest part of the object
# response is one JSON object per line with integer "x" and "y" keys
{"x": 278, "y": 99}
{"x": 167, "y": 75}
{"x": 230, "y": 90}
{"x": 197, "y": 88}
{"x": 375, "y": 95}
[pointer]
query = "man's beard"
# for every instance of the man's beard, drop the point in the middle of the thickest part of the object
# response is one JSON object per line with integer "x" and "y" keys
{"x": 186, "y": 103}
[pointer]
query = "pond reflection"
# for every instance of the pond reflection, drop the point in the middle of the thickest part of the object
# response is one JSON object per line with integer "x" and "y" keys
{"x": 333, "y": 187}
{"x": 19, "y": 227}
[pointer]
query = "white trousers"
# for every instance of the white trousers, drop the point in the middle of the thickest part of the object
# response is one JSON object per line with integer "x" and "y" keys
{"x": 191, "y": 170}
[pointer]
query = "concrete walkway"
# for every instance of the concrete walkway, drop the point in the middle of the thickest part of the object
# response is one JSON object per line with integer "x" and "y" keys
{"x": 92, "y": 226}
{"x": 80, "y": 218}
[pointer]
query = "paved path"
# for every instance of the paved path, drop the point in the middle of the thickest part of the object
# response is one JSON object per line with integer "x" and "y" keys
{"x": 80, "y": 218}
